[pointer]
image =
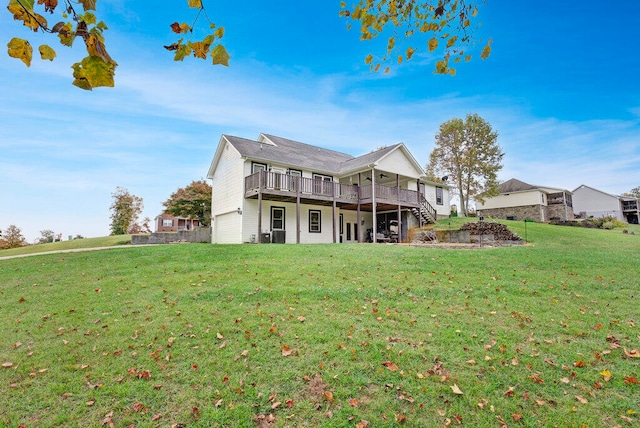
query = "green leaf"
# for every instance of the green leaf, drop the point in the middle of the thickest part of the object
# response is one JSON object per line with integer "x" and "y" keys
{"x": 182, "y": 52}
{"x": 219, "y": 55}
{"x": 20, "y": 49}
{"x": 66, "y": 34}
{"x": 93, "y": 72}
{"x": 46, "y": 52}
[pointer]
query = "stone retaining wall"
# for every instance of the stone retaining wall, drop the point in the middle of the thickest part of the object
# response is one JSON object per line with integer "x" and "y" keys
{"x": 202, "y": 234}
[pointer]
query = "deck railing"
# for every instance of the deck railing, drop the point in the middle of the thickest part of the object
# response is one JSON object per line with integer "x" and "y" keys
{"x": 310, "y": 186}
{"x": 290, "y": 183}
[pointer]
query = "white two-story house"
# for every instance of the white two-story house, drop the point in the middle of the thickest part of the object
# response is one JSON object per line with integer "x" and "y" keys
{"x": 277, "y": 190}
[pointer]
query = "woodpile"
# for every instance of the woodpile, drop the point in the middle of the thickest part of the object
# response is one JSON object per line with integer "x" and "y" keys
{"x": 499, "y": 231}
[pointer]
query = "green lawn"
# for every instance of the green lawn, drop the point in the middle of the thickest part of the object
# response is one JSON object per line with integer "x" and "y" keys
{"x": 107, "y": 241}
{"x": 326, "y": 335}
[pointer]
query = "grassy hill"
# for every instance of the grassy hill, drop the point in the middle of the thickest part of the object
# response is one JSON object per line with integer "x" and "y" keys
{"x": 106, "y": 241}
{"x": 326, "y": 335}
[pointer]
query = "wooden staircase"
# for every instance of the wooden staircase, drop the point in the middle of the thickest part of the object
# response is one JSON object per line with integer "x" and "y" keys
{"x": 426, "y": 214}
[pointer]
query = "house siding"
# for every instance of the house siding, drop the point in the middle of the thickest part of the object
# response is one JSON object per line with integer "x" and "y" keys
{"x": 227, "y": 196}
{"x": 597, "y": 204}
{"x": 397, "y": 163}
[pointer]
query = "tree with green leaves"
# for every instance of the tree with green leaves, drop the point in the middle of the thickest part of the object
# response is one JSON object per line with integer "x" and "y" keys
{"x": 468, "y": 154}
{"x": 125, "y": 210}
{"x": 12, "y": 237}
{"x": 446, "y": 28}
{"x": 192, "y": 201}
{"x": 634, "y": 193}
{"x": 46, "y": 236}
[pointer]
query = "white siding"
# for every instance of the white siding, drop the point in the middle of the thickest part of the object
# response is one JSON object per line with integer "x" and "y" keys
{"x": 397, "y": 162}
{"x": 596, "y": 203}
{"x": 227, "y": 196}
{"x": 517, "y": 199}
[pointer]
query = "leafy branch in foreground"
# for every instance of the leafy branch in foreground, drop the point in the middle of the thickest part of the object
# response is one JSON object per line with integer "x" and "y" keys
{"x": 96, "y": 69}
{"x": 446, "y": 24}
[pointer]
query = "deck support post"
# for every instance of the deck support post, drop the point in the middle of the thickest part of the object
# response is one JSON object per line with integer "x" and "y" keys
{"x": 373, "y": 205}
{"x": 260, "y": 181}
{"x": 359, "y": 226}
{"x": 335, "y": 214}
{"x": 399, "y": 211}
{"x": 297, "y": 181}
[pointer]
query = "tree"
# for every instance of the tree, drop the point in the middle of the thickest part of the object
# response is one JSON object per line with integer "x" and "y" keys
{"x": 46, "y": 236}
{"x": 12, "y": 238}
{"x": 446, "y": 26}
{"x": 192, "y": 201}
{"x": 634, "y": 193}
{"x": 467, "y": 152}
{"x": 125, "y": 210}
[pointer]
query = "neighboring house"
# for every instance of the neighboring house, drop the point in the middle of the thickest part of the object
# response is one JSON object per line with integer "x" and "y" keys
{"x": 168, "y": 223}
{"x": 521, "y": 201}
{"x": 278, "y": 190}
{"x": 592, "y": 202}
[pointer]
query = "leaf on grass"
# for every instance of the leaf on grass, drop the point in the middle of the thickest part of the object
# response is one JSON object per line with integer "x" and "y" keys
{"x": 455, "y": 389}
{"x": 550, "y": 362}
{"x": 137, "y": 407}
{"x": 353, "y": 402}
{"x": 7, "y": 364}
{"x": 391, "y": 366}
{"x": 517, "y": 416}
{"x": 581, "y": 399}
{"x": 634, "y": 353}
{"x": 580, "y": 363}
{"x": 631, "y": 380}
{"x": 606, "y": 374}
{"x": 328, "y": 395}
{"x": 508, "y": 392}
{"x": 107, "y": 418}
{"x": 286, "y": 351}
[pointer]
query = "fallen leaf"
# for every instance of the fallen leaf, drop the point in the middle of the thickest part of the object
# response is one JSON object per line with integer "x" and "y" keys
{"x": 156, "y": 417}
{"x": 286, "y": 351}
{"x": 579, "y": 363}
{"x": 276, "y": 405}
{"x": 301, "y": 318}
{"x": 455, "y": 389}
{"x": 353, "y": 402}
{"x": 7, "y": 364}
{"x": 565, "y": 380}
{"x": 517, "y": 416}
{"x": 631, "y": 380}
{"x": 391, "y": 366}
{"x": 219, "y": 336}
{"x": 606, "y": 374}
{"x": 550, "y": 362}
{"x": 328, "y": 395}
{"x": 508, "y": 392}
{"x": 634, "y": 353}
{"x": 138, "y": 407}
{"x": 581, "y": 399}
{"x": 107, "y": 418}
{"x": 219, "y": 403}
{"x": 90, "y": 402}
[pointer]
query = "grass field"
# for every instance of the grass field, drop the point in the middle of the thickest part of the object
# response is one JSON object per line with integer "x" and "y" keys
{"x": 326, "y": 335}
{"x": 107, "y": 241}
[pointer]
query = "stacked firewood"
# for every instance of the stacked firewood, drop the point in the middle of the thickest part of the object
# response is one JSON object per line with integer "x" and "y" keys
{"x": 499, "y": 231}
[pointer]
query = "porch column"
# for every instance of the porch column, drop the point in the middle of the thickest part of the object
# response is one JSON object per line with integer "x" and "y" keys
{"x": 399, "y": 216}
{"x": 373, "y": 204}
{"x": 297, "y": 181}
{"x": 260, "y": 207}
{"x": 335, "y": 214}
{"x": 359, "y": 226}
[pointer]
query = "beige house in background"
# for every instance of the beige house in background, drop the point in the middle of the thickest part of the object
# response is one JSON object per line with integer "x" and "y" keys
{"x": 522, "y": 201}
{"x": 591, "y": 202}
{"x": 278, "y": 190}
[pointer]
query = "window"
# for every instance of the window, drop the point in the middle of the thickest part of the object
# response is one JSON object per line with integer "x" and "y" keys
{"x": 439, "y": 197}
{"x": 256, "y": 167}
{"x": 348, "y": 231}
{"x": 277, "y": 218}
{"x": 315, "y": 224}
{"x": 295, "y": 172}
{"x": 341, "y": 224}
{"x": 167, "y": 222}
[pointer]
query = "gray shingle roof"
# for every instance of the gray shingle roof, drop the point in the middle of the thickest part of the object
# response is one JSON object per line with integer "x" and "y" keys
{"x": 296, "y": 154}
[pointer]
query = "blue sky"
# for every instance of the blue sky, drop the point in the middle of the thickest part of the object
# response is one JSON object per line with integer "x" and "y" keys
{"x": 561, "y": 87}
